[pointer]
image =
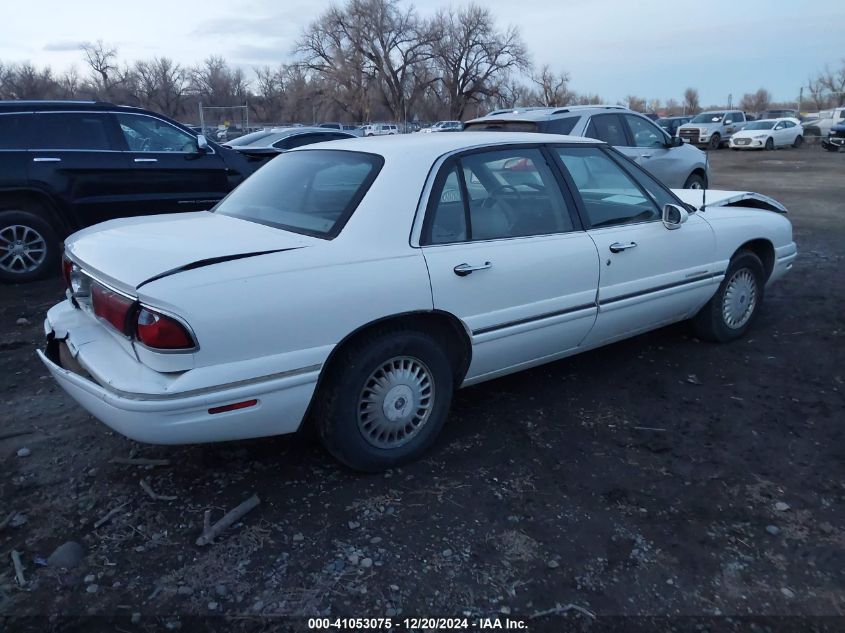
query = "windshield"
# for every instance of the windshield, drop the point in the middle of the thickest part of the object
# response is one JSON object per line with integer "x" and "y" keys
{"x": 709, "y": 117}
{"x": 309, "y": 191}
{"x": 247, "y": 139}
{"x": 760, "y": 125}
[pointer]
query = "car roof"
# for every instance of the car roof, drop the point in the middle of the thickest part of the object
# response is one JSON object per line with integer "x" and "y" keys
{"x": 544, "y": 113}
{"x": 429, "y": 147}
{"x": 35, "y": 105}
{"x": 277, "y": 134}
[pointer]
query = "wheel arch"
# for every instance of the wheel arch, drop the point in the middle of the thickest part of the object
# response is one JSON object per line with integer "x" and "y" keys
{"x": 763, "y": 249}
{"x": 38, "y": 203}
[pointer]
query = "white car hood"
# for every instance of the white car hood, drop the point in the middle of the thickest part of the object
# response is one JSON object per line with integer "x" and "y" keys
{"x": 131, "y": 251}
{"x": 752, "y": 133}
{"x": 717, "y": 198}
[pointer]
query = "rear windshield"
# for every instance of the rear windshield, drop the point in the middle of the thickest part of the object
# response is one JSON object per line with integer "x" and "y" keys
{"x": 247, "y": 139}
{"x": 313, "y": 192}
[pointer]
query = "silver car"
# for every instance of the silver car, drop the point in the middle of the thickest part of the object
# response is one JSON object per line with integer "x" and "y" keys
{"x": 713, "y": 128}
{"x": 678, "y": 165}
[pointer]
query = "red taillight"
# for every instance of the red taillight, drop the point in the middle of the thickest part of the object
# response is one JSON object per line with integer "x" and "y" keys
{"x": 233, "y": 407}
{"x": 111, "y": 306}
{"x": 160, "y": 331}
{"x": 67, "y": 266}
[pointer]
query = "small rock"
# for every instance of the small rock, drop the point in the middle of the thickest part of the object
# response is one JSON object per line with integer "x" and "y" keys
{"x": 354, "y": 525}
{"x": 552, "y": 564}
{"x": 92, "y": 588}
{"x": 367, "y": 563}
{"x": 446, "y": 553}
{"x": 826, "y": 528}
{"x": 136, "y": 617}
{"x": 505, "y": 610}
{"x": 212, "y": 606}
{"x": 788, "y": 593}
{"x": 90, "y": 578}
{"x": 298, "y": 537}
{"x": 185, "y": 590}
{"x": 24, "y": 452}
{"x": 394, "y": 587}
{"x": 693, "y": 379}
{"x": 773, "y": 530}
{"x": 353, "y": 559}
{"x": 22, "y": 321}
{"x": 221, "y": 590}
{"x": 18, "y": 520}
{"x": 259, "y": 604}
{"x": 375, "y": 540}
{"x": 780, "y": 506}
{"x": 67, "y": 555}
{"x": 390, "y": 612}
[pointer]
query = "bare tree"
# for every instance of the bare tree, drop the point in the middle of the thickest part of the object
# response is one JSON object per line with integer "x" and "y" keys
{"x": 553, "y": 88}
{"x": 692, "y": 105}
{"x": 218, "y": 83}
{"x": 587, "y": 99}
{"x": 102, "y": 60}
{"x": 161, "y": 84}
{"x": 470, "y": 53}
{"x": 830, "y": 84}
{"x": 637, "y": 104}
{"x": 672, "y": 108}
{"x": 755, "y": 101}
{"x": 26, "y": 81}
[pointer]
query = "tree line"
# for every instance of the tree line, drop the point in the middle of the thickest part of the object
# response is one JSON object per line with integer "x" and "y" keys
{"x": 360, "y": 61}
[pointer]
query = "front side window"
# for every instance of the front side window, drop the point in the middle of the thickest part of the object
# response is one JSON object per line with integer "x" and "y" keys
{"x": 607, "y": 128}
{"x": 610, "y": 195}
{"x": 14, "y": 131}
{"x": 644, "y": 132}
{"x": 497, "y": 195}
{"x": 311, "y": 191}
{"x": 147, "y": 134}
{"x": 73, "y": 130}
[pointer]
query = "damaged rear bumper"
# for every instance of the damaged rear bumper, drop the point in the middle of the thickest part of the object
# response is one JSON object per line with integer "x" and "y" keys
{"x": 161, "y": 417}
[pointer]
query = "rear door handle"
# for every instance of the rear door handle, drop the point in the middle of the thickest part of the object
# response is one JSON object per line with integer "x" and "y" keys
{"x": 462, "y": 270}
{"x": 146, "y": 160}
{"x": 645, "y": 155}
{"x": 46, "y": 159}
{"x": 618, "y": 247}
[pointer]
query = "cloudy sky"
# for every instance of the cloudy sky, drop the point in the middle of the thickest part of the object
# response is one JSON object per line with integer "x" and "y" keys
{"x": 610, "y": 47}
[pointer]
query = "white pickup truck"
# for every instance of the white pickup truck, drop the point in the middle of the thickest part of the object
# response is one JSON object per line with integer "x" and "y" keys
{"x": 820, "y": 126}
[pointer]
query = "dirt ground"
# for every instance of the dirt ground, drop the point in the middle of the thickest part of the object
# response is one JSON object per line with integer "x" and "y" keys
{"x": 660, "y": 476}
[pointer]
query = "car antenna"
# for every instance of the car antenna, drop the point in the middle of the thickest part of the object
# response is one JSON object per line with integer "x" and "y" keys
{"x": 704, "y": 189}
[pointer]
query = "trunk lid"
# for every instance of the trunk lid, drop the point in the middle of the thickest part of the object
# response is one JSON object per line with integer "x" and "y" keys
{"x": 128, "y": 252}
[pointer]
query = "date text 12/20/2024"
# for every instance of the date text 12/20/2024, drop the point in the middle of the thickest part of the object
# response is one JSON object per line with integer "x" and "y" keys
{"x": 414, "y": 624}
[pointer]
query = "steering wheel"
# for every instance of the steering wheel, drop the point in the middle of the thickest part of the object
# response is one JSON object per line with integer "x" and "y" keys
{"x": 493, "y": 199}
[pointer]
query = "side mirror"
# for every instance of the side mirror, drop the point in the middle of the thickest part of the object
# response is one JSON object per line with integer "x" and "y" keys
{"x": 674, "y": 216}
{"x": 676, "y": 141}
{"x": 202, "y": 144}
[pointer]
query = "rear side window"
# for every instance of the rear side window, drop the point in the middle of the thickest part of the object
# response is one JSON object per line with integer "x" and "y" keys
{"x": 73, "y": 130}
{"x": 560, "y": 126}
{"x": 310, "y": 191}
{"x": 502, "y": 126}
{"x": 607, "y": 128}
{"x": 13, "y": 131}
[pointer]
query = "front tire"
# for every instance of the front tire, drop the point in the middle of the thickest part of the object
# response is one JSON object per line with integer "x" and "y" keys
{"x": 798, "y": 142}
{"x": 770, "y": 144}
{"x": 715, "y": 142}
{"x": 731, "y": 311}
{"x": 29, "y": 247}
{"x": 384, "y": 400}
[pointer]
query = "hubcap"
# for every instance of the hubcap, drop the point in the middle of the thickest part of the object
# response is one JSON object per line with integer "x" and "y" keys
{"x": 22, "y": 249}
{"x": 740, "y": 299}
{"x": 396, "y": 402}
{"x": 695, "y": 184}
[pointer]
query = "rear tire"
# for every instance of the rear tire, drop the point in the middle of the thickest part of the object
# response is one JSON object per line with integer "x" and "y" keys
{"x": 695, "y": 181}
{"x": 798, "y": 142}
{"x": 732, "y": 310}
{"x": 384, "y": 399}
{"x": 29, "y": 247}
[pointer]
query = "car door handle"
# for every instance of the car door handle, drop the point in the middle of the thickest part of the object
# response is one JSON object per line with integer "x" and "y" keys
{"x": 46, "y": 159}
{"x": 618, "y": 247}
{"x": 645, "y": 155}
{"x": 462, "y": 270}
{"x": 146, "y": 160}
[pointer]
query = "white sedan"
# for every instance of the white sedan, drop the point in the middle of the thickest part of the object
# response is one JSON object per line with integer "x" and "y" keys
{"x": 769, "y": 134}
{"x": 355, "y": 284}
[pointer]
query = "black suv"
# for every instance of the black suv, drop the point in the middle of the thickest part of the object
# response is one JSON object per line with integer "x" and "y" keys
{"x": 65, "y": 165}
